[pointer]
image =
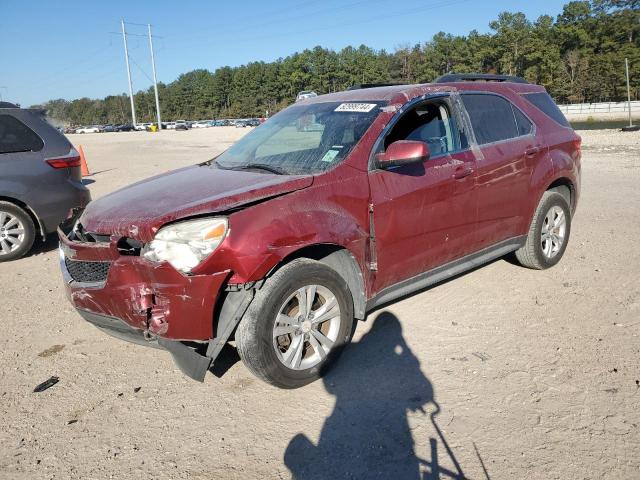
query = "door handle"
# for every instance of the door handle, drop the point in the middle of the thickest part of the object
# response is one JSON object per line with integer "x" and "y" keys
{"x": 532, "y": 151}
{"x": 462, "y": 171}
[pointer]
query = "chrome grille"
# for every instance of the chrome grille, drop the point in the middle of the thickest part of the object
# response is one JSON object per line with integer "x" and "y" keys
{"x": 87, "y": 272}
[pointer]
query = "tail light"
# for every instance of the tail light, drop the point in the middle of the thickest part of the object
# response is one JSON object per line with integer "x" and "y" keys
{"x": 71, "y": 159}
{"x": 577, "y": 143}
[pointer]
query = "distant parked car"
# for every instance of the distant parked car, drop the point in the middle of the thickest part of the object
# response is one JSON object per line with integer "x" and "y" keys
{"x": 141, "y": 126}
{"x": 109, "y": 128}
{"x": 40, "y": 179}
{"x": 306, "y": 94}
{"x": 254, "y": 122}
{"x": 201, "y": 124}
{"x": 181, "y": 125}
{"x": 241, "y": 123}
{"x": 221, "y": 123}
{"x": 69, "y": 130}
{"x": 126, "y": 127}
{"x": 91, "y": 129}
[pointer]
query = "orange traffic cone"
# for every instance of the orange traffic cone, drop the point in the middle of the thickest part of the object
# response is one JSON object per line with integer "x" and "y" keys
{"x": 83, "y": 163}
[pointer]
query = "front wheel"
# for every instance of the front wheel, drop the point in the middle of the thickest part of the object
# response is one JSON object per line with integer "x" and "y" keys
{"x": 296, "y": 325}
{"x": 548, "y": 234}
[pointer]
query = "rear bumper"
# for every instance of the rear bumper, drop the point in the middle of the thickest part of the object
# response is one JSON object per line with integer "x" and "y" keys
{"x": 58, "y": 202}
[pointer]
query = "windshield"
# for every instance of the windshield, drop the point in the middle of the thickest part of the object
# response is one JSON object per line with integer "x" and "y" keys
{"x": 302, "y": 139}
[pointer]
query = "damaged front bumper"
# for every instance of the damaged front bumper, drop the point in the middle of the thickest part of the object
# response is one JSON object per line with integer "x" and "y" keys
{"x": 190, "y": 359}
{"x": 151, "y": 304}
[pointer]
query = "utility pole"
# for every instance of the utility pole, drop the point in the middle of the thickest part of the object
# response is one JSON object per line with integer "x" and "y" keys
{"x": 155, "y": 81}
{"x": 126, "y": 57}
{"x": 626, "y": 64}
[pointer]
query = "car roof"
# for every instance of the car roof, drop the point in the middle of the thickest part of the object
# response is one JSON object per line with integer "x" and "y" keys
{"x": 8, "y": 105}
{"x": 399, "y": 94}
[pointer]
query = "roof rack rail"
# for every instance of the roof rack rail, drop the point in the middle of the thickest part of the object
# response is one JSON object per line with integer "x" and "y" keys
{"x": 8, "y": 105}
{"x": 478, "y": 77}
{"x": 359, "y": 86}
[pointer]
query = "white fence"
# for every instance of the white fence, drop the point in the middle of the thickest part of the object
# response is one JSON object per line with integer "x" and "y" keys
{"x": 604, "y": 107}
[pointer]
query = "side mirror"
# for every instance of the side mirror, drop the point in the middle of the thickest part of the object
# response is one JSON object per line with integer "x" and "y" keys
{"x": 403, "y": 152}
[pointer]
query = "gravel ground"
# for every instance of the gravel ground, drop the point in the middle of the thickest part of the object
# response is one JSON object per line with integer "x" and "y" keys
{"x": 501, "y": 373}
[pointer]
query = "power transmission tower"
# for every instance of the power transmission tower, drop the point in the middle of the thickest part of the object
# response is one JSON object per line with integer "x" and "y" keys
{"x": 126, "y": 57}
{"x": 155, "y": 81}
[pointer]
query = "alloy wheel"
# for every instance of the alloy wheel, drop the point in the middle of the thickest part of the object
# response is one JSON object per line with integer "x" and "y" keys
{"x": 306, "y": 327}
{"x": 554, "y": 230}
{"x": 12, "y": 233}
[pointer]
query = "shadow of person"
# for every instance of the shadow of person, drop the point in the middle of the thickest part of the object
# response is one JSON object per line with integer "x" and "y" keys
{"x": 367, "y": 436}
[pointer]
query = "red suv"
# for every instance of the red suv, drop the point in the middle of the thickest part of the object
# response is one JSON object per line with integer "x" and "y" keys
{"x": 333, "y": 207}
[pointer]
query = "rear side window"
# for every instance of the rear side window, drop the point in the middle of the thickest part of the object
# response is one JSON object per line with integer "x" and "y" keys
{"x": 542, "y": 101}
{"x": 15, "y": 136}
{"x": 492, "y": 117}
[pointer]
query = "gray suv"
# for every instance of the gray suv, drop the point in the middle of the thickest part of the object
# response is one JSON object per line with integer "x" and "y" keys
{"x": 40, "y": 179}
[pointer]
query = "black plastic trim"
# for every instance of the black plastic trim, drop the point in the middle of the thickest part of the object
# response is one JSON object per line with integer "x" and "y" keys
{"x": 233, "y": 307}
{"x": 186, "y": 358}
{"x": 477, "y": 77}
{"x": 445, "y": 271}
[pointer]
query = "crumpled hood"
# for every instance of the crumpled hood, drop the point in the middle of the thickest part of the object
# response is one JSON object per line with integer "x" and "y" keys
{"x": 139, "y": 210}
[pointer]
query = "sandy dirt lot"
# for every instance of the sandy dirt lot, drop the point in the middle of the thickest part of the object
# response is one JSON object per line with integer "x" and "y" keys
{"x": 501, "y": 373}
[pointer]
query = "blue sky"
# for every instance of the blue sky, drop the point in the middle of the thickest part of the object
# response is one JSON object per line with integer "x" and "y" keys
{"x": 66, "y": 49}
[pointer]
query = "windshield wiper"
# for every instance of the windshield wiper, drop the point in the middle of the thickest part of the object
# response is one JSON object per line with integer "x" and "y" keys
{"x": 259, "y": 166}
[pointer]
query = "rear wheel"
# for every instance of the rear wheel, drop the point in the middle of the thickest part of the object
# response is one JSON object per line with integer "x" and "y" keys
{"x": 17, "y": 232}
{"x": 297, "y": 324}
{"x": 548, "y": 234}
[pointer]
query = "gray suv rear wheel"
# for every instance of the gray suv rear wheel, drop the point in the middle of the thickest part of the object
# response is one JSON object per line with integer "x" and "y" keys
{"x": 17, "y": 232}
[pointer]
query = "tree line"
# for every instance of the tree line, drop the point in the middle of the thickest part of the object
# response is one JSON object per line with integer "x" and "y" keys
{"x": 578, "y": 56}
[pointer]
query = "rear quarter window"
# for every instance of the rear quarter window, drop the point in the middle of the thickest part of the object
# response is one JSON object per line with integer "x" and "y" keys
{"x": 543, "y": 101}
{"x": 15, "y": 136}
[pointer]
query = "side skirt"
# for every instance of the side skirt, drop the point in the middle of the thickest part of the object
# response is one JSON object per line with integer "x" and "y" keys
{"x": 444, "y": 272}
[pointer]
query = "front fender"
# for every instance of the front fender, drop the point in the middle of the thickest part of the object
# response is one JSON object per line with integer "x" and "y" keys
{"x": 332, "y": 211}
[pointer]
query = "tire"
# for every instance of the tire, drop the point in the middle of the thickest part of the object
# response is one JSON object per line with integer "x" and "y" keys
{"x": 14, "y": 219}
{"x": 265, "y": 355}
{"x": 536, "y": 253}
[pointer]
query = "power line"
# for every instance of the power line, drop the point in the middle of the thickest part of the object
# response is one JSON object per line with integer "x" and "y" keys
{"x": 129, "y": 34}
{"x": 396, "y": 14}
{"x": 284, "y": 19}
{"x": 140, "y": 68}
{"x": 70, "y": 74}
{"x": 262, "y": 15}
{"x": 139, "y": 24}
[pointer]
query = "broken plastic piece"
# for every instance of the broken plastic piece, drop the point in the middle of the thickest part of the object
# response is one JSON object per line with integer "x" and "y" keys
{"x": 46, "y": 384}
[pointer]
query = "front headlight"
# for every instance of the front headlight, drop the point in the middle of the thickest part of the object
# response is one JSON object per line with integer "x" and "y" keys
{"x": 186, "y": 244}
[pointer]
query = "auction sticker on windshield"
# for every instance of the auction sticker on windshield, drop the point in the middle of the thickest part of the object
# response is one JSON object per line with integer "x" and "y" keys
{"x": 355, "y": 107}
{"x": 330, "y": 156}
